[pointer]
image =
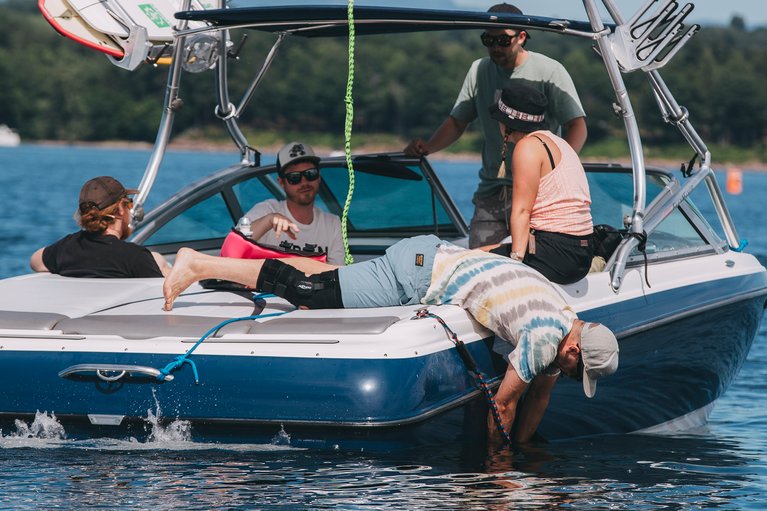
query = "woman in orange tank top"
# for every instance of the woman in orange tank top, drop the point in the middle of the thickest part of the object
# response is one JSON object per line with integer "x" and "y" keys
{"x": 551, "y": 227}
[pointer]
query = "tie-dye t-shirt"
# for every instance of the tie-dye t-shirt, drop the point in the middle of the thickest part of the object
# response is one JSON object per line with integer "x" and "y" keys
{"x": 508, "y": 297}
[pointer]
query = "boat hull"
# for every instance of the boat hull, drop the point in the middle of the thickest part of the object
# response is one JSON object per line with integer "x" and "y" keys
{"x": 675, "y": 370}
{"x": 343, "y": 377}
{"x": 240, "y": 396}
{"x": 326, "y": 402}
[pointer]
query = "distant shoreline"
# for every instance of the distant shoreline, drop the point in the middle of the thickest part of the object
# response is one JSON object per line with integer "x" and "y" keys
{"x": 207, "y": 146}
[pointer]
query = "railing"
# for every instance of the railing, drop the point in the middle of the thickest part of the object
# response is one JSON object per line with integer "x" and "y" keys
{"x": 646, "y": 42}
{"x": 112, "y": 372}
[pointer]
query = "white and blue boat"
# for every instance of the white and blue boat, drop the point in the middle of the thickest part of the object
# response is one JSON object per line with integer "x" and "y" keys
{"x": 100, "y": 353}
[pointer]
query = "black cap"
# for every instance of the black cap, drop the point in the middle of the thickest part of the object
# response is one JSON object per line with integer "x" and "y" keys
{"x": 520, "y": 107}
{"x": 504, "y": 7}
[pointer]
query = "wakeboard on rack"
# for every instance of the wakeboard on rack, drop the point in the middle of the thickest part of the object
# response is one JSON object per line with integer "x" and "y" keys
{"x": 127, "y": 31}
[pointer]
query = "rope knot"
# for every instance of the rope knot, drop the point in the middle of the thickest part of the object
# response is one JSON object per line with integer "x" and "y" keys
{"x": 641, "y": 238}
{"x": 422, "y": 313}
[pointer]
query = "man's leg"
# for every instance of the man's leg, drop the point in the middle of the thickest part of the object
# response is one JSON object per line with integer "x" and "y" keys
{"x": 400, "y": 277}
{"x": 191, "y": 266}
{"x": 490, "y": 223}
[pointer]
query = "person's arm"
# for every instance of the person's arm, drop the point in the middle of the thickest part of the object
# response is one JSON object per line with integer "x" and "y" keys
{"x": 488, "y": 248}
{"x": 36, "y": 261}
{"x": 533, "y": 407}
{"x": 506, "y": 399}
{"x": 447, "y": 133}
{"x": 276, "y": 222}
{"x": 526, "y": 164}
{"x": 576, "y": 133}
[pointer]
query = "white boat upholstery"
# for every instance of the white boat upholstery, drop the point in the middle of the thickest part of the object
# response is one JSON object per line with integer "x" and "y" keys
{"x": 74, "y": 297}
{"x": 323, "y": 326}
{"x": 149, "y": 326}
{"x": 19, "y": 320}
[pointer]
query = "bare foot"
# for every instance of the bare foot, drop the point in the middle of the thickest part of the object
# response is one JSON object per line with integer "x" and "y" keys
{"x": 181, "y": 276}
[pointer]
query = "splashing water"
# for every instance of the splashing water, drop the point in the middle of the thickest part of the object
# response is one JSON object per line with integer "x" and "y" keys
{"x": 282, "y": 437}
{"x": 175, "y": 431}
{"x": 44, "y": 426}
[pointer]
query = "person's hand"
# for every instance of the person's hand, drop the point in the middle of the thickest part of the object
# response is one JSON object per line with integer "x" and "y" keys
{"x": 494, "y": 436}
{"x": 282, "y": 224}
{"x": 416, "y": 148}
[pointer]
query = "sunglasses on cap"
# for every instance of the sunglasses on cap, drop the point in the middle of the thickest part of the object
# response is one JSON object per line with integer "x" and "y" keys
{"x": 294, "y": 178}
{"x": 503, "y": 40}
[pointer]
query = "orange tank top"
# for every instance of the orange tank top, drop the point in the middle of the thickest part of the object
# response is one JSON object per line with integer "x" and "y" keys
{"x": 563, "y": 203}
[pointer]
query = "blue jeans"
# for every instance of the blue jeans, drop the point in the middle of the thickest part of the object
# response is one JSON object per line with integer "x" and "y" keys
{"x": 400, "y": 277}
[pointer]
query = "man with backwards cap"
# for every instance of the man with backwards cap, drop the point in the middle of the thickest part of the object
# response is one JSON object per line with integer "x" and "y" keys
{"x": 297, "y": 217}
{"x": 503, "y": 294}
{"x": 99, "y": 249}
{"x": 507, "y": 60}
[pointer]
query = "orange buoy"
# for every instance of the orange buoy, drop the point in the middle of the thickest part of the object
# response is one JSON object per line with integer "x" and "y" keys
{"x": 734, "y": 183}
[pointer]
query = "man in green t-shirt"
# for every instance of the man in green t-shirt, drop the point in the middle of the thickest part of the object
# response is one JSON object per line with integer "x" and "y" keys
{"x": 507, "y": 60}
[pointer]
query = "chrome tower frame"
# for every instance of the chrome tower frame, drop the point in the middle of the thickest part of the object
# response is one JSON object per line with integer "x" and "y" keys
{"x": 645, "y": 42}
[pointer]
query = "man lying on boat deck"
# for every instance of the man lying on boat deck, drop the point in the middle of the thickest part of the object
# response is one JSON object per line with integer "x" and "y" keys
{"x": 99, "y": 249}
{"x": 506, "y": 296}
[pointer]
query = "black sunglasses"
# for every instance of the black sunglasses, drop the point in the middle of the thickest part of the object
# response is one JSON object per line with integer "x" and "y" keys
{"x": 503, "y": 40}
{"x": 294, "y": 178}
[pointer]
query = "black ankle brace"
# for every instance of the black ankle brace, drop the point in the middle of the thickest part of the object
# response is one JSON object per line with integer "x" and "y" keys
{"x": 319, "y": 291}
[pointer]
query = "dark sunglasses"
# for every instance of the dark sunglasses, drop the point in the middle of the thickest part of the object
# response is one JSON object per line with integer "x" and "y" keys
{"x": 294, "y": 178}
{"x": 503, "y": 40}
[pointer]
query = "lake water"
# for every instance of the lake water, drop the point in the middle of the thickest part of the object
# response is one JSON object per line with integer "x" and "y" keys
{"x": 723, "y": 466}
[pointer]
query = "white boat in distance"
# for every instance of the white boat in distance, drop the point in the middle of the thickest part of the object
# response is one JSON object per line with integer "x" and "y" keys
{"x": 100, "y": 353}
{"x": 8, "y": 137}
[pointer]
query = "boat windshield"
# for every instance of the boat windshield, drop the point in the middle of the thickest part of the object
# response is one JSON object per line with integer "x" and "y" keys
{"x": 390, "y": 199}
{"x": 680, "y": 233}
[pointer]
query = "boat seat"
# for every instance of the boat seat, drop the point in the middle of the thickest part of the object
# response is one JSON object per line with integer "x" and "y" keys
{"x": 323, "y": 326}
{"x": 147, "y": 327}
{"x": 20, "y": 320}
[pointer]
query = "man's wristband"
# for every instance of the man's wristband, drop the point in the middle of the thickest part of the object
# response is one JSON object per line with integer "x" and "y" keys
{"x": 516, "y": 256}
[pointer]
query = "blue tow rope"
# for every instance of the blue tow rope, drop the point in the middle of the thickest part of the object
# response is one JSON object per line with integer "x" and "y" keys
{"x": 739, "y": 248}
{"x": 184, "y": 359}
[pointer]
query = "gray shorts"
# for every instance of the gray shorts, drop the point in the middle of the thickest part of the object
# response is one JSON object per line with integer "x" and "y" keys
{"x": 400, "y": 277}
{"x": 490, "y": 223}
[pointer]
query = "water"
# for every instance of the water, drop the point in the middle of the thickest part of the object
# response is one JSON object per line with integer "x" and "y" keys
{"x": 723, "y": 466}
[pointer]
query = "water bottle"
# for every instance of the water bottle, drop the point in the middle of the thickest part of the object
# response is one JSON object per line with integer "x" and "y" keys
{"x": 243, "y": 226}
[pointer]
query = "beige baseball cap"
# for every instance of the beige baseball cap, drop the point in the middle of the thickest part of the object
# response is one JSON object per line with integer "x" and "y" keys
{"x": 599, "y": 351}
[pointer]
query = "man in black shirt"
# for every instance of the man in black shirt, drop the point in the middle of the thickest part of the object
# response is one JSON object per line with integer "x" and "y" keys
{"x": 99, "y": 249}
